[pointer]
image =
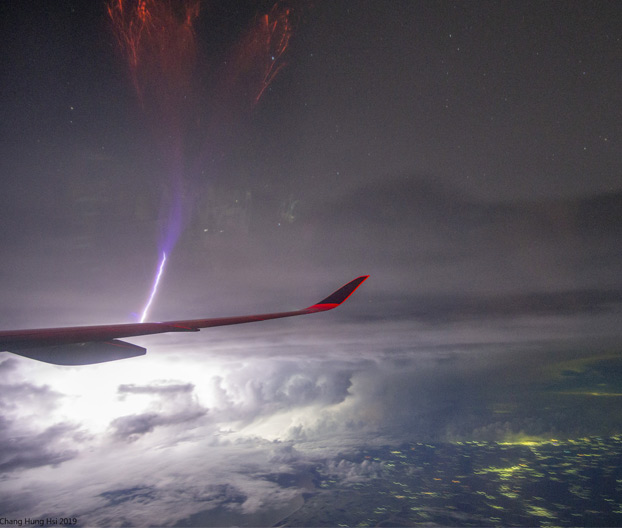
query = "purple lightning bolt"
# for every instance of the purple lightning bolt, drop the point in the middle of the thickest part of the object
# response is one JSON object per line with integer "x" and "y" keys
{"x": 155, "y": 288}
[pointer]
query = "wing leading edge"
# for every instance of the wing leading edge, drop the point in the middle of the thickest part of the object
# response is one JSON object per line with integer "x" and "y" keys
{"x": 85, "y": 345}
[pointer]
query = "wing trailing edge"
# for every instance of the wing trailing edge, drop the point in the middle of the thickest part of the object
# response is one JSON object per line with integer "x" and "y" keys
{"x": 75, "y": 354}
{"x": 85, "y": 345}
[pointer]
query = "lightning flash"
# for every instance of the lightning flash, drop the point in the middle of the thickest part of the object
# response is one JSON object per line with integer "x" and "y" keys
{"x": 154, "y": 289}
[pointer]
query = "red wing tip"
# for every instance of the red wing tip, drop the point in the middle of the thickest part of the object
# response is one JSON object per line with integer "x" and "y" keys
{"x": 339, "y": 296}
{"x": 322, "y": 307}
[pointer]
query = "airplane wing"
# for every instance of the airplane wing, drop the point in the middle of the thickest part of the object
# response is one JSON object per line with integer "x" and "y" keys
{"x": 86, "y": 345}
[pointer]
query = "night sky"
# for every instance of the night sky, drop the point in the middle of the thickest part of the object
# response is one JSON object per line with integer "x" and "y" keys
{"x": 466, "y": 155}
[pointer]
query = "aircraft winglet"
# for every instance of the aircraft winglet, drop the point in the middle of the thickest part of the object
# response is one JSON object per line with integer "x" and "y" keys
{"x": 338, "y": 297}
